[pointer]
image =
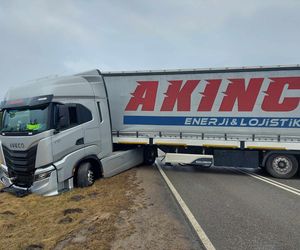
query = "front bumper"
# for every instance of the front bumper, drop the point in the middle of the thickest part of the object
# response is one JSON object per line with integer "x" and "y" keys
{"x": 44, "y": 186}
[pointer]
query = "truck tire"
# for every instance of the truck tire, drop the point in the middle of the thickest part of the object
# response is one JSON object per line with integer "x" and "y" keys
{"x": 85, "y": 175}
{"x": 150, "y": 154}
{"x": 282, "y": 166}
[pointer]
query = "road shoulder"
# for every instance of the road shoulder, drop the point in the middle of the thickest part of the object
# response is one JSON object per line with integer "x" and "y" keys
{"x": 157, "y": 222}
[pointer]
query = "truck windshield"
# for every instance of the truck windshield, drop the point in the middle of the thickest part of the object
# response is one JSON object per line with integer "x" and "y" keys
{"x": 26, "y": 120}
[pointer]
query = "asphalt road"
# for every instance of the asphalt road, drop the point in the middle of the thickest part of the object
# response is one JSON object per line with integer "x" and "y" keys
{"x": 239, "y": 211}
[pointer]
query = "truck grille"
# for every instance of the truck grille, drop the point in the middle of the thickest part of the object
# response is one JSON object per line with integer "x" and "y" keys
{"x": 21, "y": 165}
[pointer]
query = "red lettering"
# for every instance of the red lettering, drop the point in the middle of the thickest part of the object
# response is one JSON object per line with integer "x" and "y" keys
{"x": 246, "y": 98}
{"x": 272, "y": 103}
{"x": 144, "y": 95}
{"x": 209, "y": 95}
{"x": 181, "y": 95}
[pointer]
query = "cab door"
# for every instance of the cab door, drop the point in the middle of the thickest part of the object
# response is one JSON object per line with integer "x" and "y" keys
{"x": 67, "y": 142}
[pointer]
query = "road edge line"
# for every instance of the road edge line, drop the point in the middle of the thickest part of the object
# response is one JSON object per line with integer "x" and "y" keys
{"x": 196, "y": 226}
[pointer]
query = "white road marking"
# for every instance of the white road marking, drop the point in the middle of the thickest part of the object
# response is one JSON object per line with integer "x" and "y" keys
{"x": 272, "y": 182}
{"x": 198, "y": 229}
{"x": 276, "y": 182}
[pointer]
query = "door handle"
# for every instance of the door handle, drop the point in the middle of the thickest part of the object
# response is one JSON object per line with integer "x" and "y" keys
{"x": 80, "y": 141}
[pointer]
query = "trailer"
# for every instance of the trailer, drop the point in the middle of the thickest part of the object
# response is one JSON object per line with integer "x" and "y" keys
{"x": 62, "y": 132}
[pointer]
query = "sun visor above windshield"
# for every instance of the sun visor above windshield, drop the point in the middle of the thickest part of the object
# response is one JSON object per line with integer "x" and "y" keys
{"x": 26, "y": 102}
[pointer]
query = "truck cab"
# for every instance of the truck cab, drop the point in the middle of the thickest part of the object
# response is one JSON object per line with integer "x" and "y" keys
{"x": 54, "y": 134}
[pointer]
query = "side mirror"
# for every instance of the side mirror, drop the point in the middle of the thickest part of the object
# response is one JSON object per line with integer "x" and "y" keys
{"x": 63, "y": 117}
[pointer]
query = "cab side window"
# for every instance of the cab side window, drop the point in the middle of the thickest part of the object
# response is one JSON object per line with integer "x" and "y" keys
{"x": 76, "y": 114}
{"x": 73, "y": 116}
{"x": 83, "y": 114}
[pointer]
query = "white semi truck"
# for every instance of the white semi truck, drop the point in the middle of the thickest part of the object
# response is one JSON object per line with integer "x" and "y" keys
{"x": 67, "y": 131}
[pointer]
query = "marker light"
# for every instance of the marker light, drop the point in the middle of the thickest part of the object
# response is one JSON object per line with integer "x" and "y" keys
{"x": 42, "y": 99}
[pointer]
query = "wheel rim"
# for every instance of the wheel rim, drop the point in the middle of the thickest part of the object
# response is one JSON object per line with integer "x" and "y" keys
{"x": 90, "y": 176}
{"x": 282, "y": 165}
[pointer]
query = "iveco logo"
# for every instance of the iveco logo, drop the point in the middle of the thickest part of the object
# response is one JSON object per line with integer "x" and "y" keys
{"x": 17, "y": 145}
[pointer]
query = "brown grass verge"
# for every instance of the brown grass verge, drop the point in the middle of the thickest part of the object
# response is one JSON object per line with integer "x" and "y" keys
{"x": 79, "y": 219}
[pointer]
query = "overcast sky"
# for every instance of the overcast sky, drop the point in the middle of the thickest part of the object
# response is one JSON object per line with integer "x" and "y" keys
{"x": 41, "y": 38}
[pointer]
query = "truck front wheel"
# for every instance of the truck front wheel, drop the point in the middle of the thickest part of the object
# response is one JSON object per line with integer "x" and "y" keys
{"x": 150, "y": 154}
{"x": 282, "y": 165}
{"x": 85, "y": 175}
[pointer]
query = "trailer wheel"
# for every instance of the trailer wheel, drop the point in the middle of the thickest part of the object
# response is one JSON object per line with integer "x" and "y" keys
{"x": 282, "y": 165}
{"x": 150, "y": 154}
{"x": 85, "y": 175}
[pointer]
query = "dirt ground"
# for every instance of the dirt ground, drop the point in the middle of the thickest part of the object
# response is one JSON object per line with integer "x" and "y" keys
{"x": 132, "y": 210}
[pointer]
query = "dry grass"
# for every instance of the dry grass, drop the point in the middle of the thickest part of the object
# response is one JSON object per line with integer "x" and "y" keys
{"x": 80, "y": 219}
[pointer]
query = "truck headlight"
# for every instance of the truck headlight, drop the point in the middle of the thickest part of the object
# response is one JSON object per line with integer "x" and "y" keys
{"x": 42, "y": 176}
